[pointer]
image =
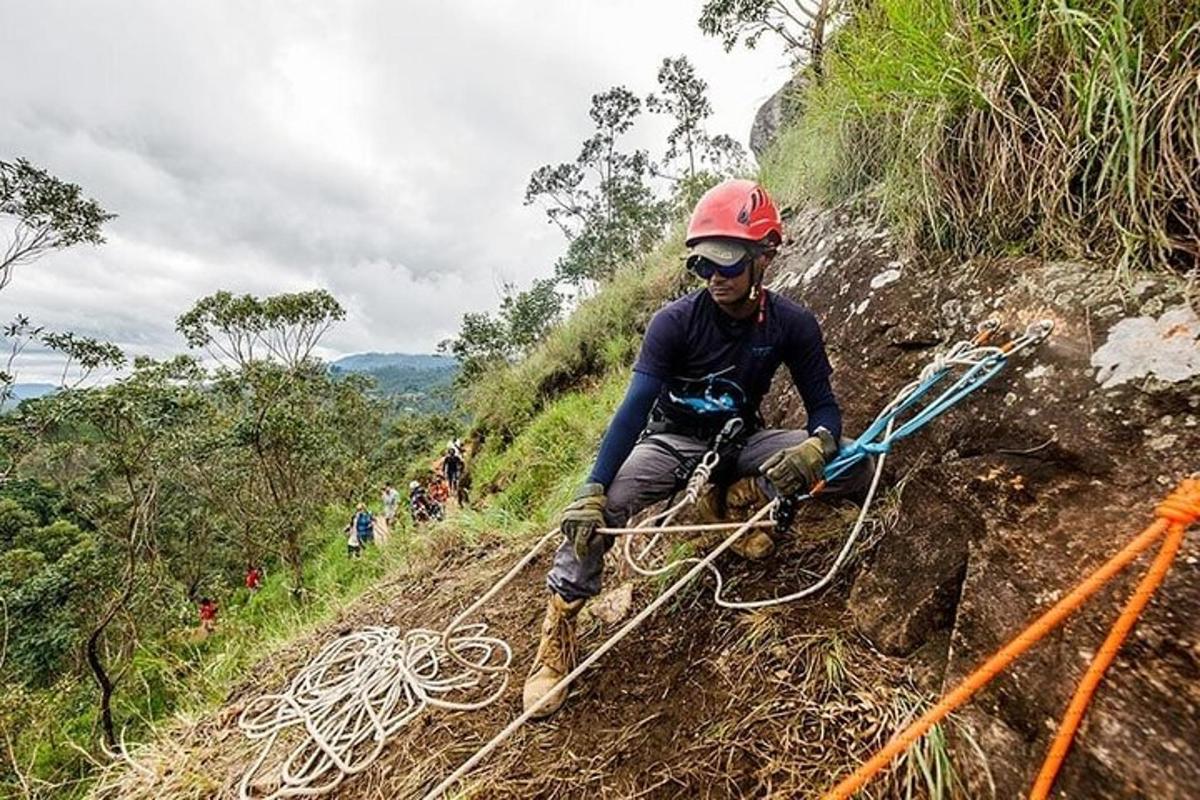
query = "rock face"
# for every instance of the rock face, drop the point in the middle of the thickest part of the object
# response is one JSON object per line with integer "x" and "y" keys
{"x": 912, "y": 588}
{"x": 772, "y": 114}
{"x": 1010, "y": 499}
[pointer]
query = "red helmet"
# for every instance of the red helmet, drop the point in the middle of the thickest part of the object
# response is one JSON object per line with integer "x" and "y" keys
{"x": 737, "y": 209}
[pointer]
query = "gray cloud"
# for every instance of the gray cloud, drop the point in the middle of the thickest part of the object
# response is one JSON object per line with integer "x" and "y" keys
{"x": 377, "y": 149}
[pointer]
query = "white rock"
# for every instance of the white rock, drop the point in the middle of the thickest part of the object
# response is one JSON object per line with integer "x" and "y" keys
{"x": 1040, "y": 371}
{"x": 1164, "y": 442}
{"x": 884, "y": 278}
{"x": 815, "y": 270}
{"x": 1167, "y": 348}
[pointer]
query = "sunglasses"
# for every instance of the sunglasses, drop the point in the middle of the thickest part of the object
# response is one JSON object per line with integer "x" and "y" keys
{"x": 705, "y": 269}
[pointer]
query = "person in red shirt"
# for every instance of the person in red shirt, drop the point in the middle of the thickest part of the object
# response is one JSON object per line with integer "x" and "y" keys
{"x": 253, "y": 578}
{"x": 208, "y": 614}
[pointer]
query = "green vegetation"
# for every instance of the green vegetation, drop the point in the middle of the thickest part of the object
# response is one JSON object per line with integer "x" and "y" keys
{"x": 1058, "y": 126}
{"x": 1050, "y": 126}
{"x": 184, "y": 673}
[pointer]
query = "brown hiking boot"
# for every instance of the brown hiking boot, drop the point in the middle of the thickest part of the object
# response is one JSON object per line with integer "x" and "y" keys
{"x": 738, "y": 501}
{"x": 754, "y": 545}
{"x": 743, "y": 498}
{"x": 556, "y": 655}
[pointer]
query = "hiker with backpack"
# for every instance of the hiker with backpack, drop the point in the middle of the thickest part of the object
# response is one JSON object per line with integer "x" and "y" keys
{"x": 363, "y": 524}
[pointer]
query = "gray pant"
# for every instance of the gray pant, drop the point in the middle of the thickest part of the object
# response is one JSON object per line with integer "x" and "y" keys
{"x": 647, "y": 476}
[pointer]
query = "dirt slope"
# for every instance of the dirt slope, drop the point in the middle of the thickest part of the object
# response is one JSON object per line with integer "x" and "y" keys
{"x": 1005, "y": 503}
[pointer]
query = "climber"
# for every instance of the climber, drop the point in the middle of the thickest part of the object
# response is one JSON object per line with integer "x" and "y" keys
{"x": 452, "y": 464}
{"x": 208, "y": 614}
{"x": 706, "y": 359}
{"x": 254, "y": 578}
{"x": 424, "y": 507}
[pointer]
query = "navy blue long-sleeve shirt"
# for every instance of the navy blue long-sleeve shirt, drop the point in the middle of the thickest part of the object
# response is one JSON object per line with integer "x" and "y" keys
{"x": 691, "y": 339}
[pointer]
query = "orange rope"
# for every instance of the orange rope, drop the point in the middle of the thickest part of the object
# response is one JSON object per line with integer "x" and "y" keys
{"x": 1108, "y": 651}
{"x": 1179, "y": 510}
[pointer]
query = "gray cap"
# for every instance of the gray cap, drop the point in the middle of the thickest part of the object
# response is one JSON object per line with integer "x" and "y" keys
{"x": 725, "y": 252}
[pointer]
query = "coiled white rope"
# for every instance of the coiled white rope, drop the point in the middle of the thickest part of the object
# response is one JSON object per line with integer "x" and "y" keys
{"x": 364, "y": 687}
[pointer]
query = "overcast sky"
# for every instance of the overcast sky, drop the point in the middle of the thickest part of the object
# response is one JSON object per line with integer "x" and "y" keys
{"x": 379, "y": 150}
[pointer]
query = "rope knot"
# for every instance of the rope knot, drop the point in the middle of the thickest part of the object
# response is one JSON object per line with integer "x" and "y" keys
{"x": 1182, "y": 506}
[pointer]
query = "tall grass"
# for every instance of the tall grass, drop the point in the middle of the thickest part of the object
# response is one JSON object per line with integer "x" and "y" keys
{"x": 1051, "y": 126}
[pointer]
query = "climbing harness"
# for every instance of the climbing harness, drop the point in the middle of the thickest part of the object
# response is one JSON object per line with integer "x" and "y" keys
{"x": 364, "y": 687}
{"x": 1180, "y": 510}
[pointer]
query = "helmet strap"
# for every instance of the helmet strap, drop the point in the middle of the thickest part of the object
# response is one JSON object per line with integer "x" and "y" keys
{"x": 758, "y": 293}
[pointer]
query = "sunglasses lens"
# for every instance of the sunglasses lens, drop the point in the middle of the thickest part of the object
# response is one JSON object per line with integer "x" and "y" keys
{"x": 705, "y": 269}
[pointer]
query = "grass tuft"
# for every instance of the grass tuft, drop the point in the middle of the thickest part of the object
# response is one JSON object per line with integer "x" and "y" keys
{"x": 1041, "y": 126}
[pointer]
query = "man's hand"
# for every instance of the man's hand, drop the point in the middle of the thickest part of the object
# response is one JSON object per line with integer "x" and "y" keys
{"x": 583, "y": 516}
{"x": 798, "y": 468}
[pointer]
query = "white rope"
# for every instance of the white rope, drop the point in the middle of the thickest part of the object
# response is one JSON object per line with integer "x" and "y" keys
{"x": 608, "y": 644}
{"x": 364, "y": 687}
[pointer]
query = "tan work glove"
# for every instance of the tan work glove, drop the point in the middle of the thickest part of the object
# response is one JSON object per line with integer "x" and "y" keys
{"x": 797, "y": 469}
{"x": 583, "y": 516}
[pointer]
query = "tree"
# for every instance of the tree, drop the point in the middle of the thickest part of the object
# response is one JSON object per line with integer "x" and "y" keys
{"x": 19, "y": 334}
{"x": 602, "y": 202}
{"x": 801, "y": 24}
{"x": 82, "y": 357}
{"x": 523, "y": 320}
{"x": 49, "y": 214}
{"x": 280, "y": 403}
{"x": 482, "y": 341}
{"x": 683, "y": 97}
{"x": 285, "y": 327}
{"x": 706, "y": 160}
{"x": 139, "y": 428}
{"x": 531, "y": 313}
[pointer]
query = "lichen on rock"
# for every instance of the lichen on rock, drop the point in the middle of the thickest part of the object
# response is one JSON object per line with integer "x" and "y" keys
{"x": 1167, "y": 348}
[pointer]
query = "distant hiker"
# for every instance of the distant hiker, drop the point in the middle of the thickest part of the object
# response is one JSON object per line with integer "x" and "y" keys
{"x": 253, "y": 578}
{"x": 353, "y": 545}
{"x": 423, "y": 507}
{"x": 439, "y": 492}
{"x": 452, "y": 464}
{"x": 706, "y": 359}
{"x": 462, "y": 492}
{"x": 363, "y": 524}
{"x": 416, "y": 500}
{"x": 391, "y": 500}
{"x": 208, "y": 614}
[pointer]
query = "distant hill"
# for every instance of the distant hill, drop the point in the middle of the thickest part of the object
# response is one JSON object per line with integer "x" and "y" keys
{"x": 26, "y": 391}
{"x": 417, "y": 382}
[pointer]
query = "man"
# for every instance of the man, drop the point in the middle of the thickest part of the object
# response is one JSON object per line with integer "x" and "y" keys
{"x": 452, "y": 464}
{"x": 706, "y": 359}
{"x": 391, "y": 499}
{"x": 364, "y": 525}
